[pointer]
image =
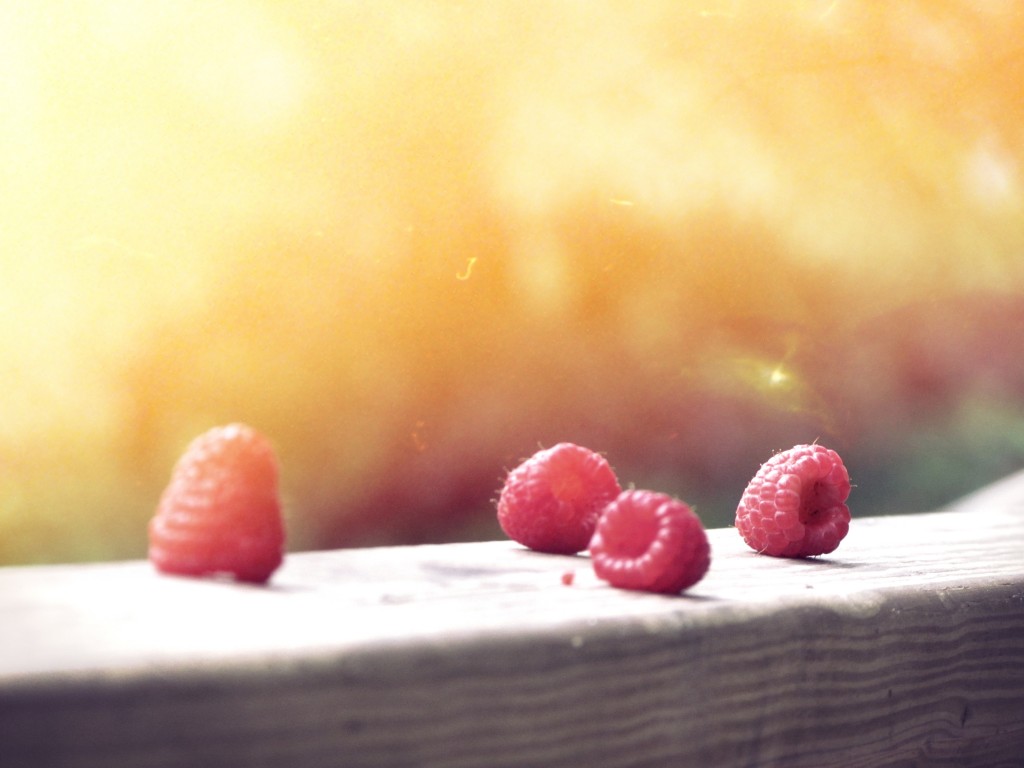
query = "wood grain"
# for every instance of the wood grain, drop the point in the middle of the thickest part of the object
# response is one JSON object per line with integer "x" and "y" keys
{"x": 905, "y": 648}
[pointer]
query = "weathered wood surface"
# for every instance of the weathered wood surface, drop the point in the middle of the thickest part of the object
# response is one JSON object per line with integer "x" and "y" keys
{"x": 904, "y": 648}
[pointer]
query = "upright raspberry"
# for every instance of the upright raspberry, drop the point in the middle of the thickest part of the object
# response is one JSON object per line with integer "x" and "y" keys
{"x": 221, "y": 512}
{"x": 795, "y": 506}
{"x": 650, "y": 541}
{"x": 551, "y": 501}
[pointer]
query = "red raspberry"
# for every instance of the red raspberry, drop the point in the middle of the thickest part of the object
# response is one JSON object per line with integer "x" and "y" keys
{"x": 551, "y": 501}
{"x": 795, "y": 504}
{"x": 221, "y": 512}
{"x": 650, "y": 541}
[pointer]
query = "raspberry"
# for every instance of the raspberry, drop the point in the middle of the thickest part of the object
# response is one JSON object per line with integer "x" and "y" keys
{"x": 650, "y": 541}
{"x": 795, "y": 506}
{"x": 221, "y": 512}
{"x": 552, "y": 500}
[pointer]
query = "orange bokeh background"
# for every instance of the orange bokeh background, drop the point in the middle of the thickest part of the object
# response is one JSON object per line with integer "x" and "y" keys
{"x": 412, "y": 242}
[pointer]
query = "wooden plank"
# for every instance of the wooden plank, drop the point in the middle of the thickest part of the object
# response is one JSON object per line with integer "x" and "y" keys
{"x": 905, "y": 648}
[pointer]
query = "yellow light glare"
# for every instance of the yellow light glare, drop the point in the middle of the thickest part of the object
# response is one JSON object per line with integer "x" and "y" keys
{"x": 778, "y": 376}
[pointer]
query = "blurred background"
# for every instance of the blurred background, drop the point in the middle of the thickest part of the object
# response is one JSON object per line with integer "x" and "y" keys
{"x": 413, "y": 242}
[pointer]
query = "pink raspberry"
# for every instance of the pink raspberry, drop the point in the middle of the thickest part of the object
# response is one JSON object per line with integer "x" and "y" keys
{"x": 650, "y": 541}
{"x": 795, "y": 506}
{"x": 551, "y": 501}
{"x": 221, "y": 512}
